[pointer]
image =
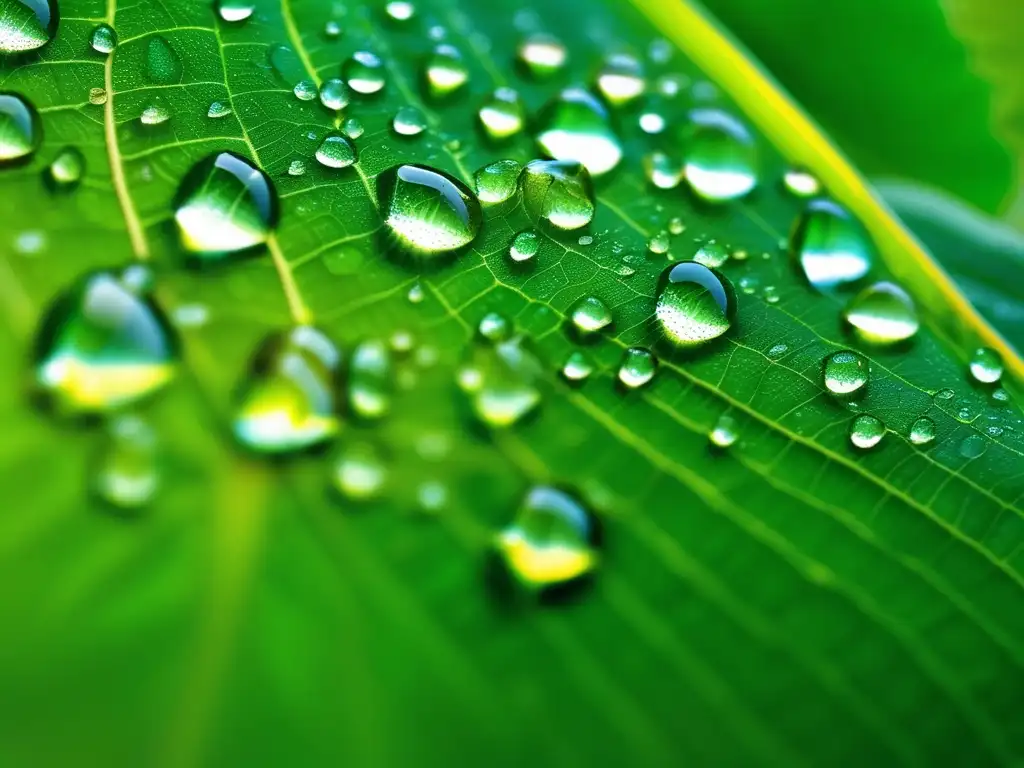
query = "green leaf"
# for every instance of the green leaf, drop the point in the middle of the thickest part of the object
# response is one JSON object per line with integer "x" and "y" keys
{"x": 788, "y": 600}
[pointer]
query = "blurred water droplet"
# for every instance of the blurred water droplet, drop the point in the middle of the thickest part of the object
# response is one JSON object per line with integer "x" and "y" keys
{"x": 67, "y": 169}
{"x": 845, "y": 373}
{"x": 725, "y": 432}
{"x": 558, "y": 193}
{"x": 427, "y": 211}
{"x": 711, "y": 254}
{"x": 922, "y": 431}
{"x": 621, "y": 79}
{"x": 542, "y": 55}
{"x": 332, "y": 30}
{"x": 882, "y": 314}
{"x": 676, "y": 226}
{"x": 637, "y": 368}
{"x": 358, "y": 472}
{"x": 652, "y": 122}
{"x": 973, "y": 446}
{"x": 800, "y": 182}
{"x": 416, "y": 294}
{"x": 662, "y": 170}
{"x": 432, "y": 496}
{"x": 190, "y": 315}
{"x": 21, "y": 131}
{"x": 370, "y": 380}
{"x": 866, "y": 431}
{"x": 336, "y": 151}
{"x": 234, "y": 11}
{"x": 830, "y": 245}
{"x": 719, "y": 156}
{"x": 126, "y": 475}
{"x": 695, "y": 304}
{"x": 575, "y": 126}
{"x": 409, "y": 121}
{"x": 496, "y": 182}
{"x": 400, "y": 10}
{"x": 577, "y": 366}
{"x": 502, "y": 115}
{"x": 364, "y": 73}
{"x": 494, "y": 327}
{"x": 446, "y": 72}
{"x": 986, "y": 365}
{"x": 500, "y": 382}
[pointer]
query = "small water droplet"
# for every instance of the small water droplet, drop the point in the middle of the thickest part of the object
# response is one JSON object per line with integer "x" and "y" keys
{"x": 1000, "y": 396}
{"x": 638, "y": 367}
{"x": 409, "y": 121}
{"x": 359, "y": 472}
{"x": 575, "y": 126}
{"x": 21, "y": 131}
{"x": 922, "y": 431}
{"x": 944, "y": 394}
{"x": 676, "y": 225}
{"x": 973, "y": 446}
{"x": 334, "y": 94}
{"x": 296, "y": 168}
{"x": 234, "y": 11}
{"x": 445, "y": 72}
{"x": 305, "y": 90}
{"x": 986, "y": 365}
{"x": 866, "y": 431}
{"x": 190, "y": 315}
{"x": 711, "y": 254}
{"x": 559, "y": 193}
{"x": 126, "y": 473}
{"x": 97, "y": 97}
{"x": 800, "y": 182}
{"x": 662, "y": 170}
{"x": 218, "y": 109}
{"x": 590, "y": 315}
{"x": 332, "y": 30}
{"x": 352, "y": 128}
{"x": 660, "y": 51}
{"x": 542, "y": 55}
{"x": 524, "y": 245}
{"x": 725, "y": 432}
{"x": 336, "y": 151}
{"x": 695, "y": 304}
{"x": 401, "y": 342}
{"x": 845, "y": 372}
{"x": 494, "y": 327}
{"x": 652, "y": 122}
{"x": 26, "y": 25}
{"x": 369, "y": 380}
{"x": 67, "y": 169}
{"x": 400, "y": 10}
{"x": 496, "y": 182}
{"x": 416, "y": 294}
{"x": 830, "y": 245}
{"x": 585, "y": 240}
{"x": 103, "y": 39}
{"x": 719, "y": 156}
{"x": 500, "y": 382}
{"x": 427, "y": 211}
{"x": 749, "y": 284}
{"x": 364, "y": 73}
{"x": 577, "y": 366}
{"x": 777, "y": 350}
{"x": 156, "y": 112}
{"x": 659, "y": 242}
{"x": 432, "y": 496}
{"x": 882, "y": 314}
{"x": 163, "y": 65}
{"x": 502, "y": 115}
{"x": 771, "y": 294}
{"x": 621, "y": 79}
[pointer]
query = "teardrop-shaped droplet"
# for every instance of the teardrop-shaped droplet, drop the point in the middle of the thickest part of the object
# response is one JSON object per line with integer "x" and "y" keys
{"x": 922, "y": 431}
{"x": 577, "y": 366}
{"x": 845, "y": 373}
{"x": 409, "y": 121}
{"x": 590, "y": 315}
{"x": 163, "y": 65}
{"x": 359, "y": 472}
{"x": 621, "y": 79}
{"x": 559, "y": 193}
{"x": 234, "y": 11}
{"x": 218, "y": 109}
{"x": 800, "y": 182}
{"x": 662, "y": 170}
{"x": 637, "y": 368}
{"x": 711, "y": 254}
{"x": 502, "y": 115}
{"x": 101, "y": 346}
{"x": 542, "y": 55}
{"x": 364, "y": 73}
{"x": 103, "y": 39}
{"x": 400, "y": 10}
{"x": 719, "y": 156}
{"x": 427, "y": 211}
{"x": 445, "y": 72}
{"x": 882, "y": 314}
{"x": 552, "y": 543}
{"x": 67, "y": 169}
{"x": 26, "y": 25}
{"x": 156, "y": 112}
{"x": 21, "y": 131}
{"x": 866, "y": 431}
{"x": 830, "y": 246}
{"x": 288, "y": 400}
{"x": 352, "y": 128}
{"x": 695, "y": 304}
{"x": 334, "y": 94}
{"x": 305, "y": 90}
{"x": 575, "y": 126}
{"x": 496, "y": 182}
{"x": 524, "y": 245}
{"x": 724, "y": 433}
{"x": 986, "y": 365}
{"x": 501, "y": 382}
{"x": 370, "y": 380}
{"x": 224, "y": 205}
{"x": 127, "y": 475}
{"x": 336, "y": 151}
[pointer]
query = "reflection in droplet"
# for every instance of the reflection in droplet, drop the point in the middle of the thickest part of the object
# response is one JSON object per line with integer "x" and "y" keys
{"x": 637, "y": 368}
{"x": 575, "y": 126}
{"x": 719, "y": 156}
{"x": 866, "y": 431}
{"x": 882, "y": 314}
{"x": 695, "y": 304}
{"x": 427, "y": 211}
{"x": 558, "y": 193}
{"x": 830, "y": 246}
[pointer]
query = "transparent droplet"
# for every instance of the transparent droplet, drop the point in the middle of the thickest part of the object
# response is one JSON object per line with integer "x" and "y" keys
{"x": 866, "y": 431}
{"x": 334, "y": 94}
{"x": 427, "y": 211}
{"x": 577, "y": 366}
{"x": 359, "y": 472}
{"x": 224, "y": 205}
{"x": 26, "y": 25}
{"x": 830, "y": 245}
{"x": 695, "y": 304}
{"x": 845, "y": 373}
{"x": 711, "y": 254}
{"x": 103, "y": 39}
{"x": 494, "y": 327}
{"x": 446, "y": 72}
{"x": 496, "y": 182}
{"x": 676, "y": 226}
{"x": 1000, "y": 396}
{"x": 662, "y": 170}
{"x": 800, "y": 182}
{"x": 67, "y": 168}
{"x": 771, "y": 294}
{"x": 725, "y": 432}
{"x": 233, "y": 11}
{"x": 944, "y": 394}
{"x": 305, "y": 90}
{"x": 922, "y": 431}
{"x": 651, "y": 122}
{"x": 542, "y": 55}
{"x": 370, "y": 380}
{"x": 218, "y": 109}
{"x": 21, "y": 132}
{"x": 163, "y": 65}
{"x": 882, "y": 314}
{"x": 190, "y": 315}
{"x": 501, "y": 382}
{"x": 416, "y": 294}
{"x": 332, "y": 30}
{"x": 352, "y": 128}
{"x": 973, "y": 446}
{"x": 288, "y": 400}
{"x": 986, "y": 365}
{"x": 126, "y": 475}
{"x": 101, "y": 346}
{"x": 637, "y": 368}
{"x": 660, "y": 51}
{"x": 409, "y": 121}
{"x": 552, "y": 543}
{"x": 585, "y": 240}
{"x": 156, "y": 112}
{"x": 400, "y": 10}
{"x": 621, "y": 79}
{"x": 557, "y": 192}
{"x": 296, "y": 168}
{"x": 336, "y": 151}
{"x": 575, "y": 126}
{"x": 659, "y": 242}
{"x": 364, "y": 72}
{"x": 432, "y": 496}
{"x": 719, "y": 156}
{"x": 590, "y": 315}
{"x": 502, "y": 115}
{"x": 524, "y": 246}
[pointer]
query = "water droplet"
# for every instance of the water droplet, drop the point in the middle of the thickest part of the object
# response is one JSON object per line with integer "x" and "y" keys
{"x": 986, "y": 365}
{"x": 711, "y": 254}
{"x": 944, "y": 394}
{"x": 777, "y": 350}
{"x": 496, "y": 182}
{"x": 695, "y": 304}
{"x": 288, "y": 401}
{"x": 621, "y": 79}
{"x": 126, "y": 473}
{"x": 676, "y": 225}
{"x": 542, "y": 55}
{"x": 585, "y": 240}
{"x": 400, "y": 10}
{"x": 224, "y": 205}
{"x": 67, "y": 169}
{"x": 101, "y": 346}
{"x": 559, "y": 193}
{"x": 103, "y": 39}
{"x": 524, "y": 246}
{"x": 190, "y": 315}
{"x": 575, "y": 126}
{"x": 652, "y": 122}
{"x": 660, "y": 51}
{"x": 662, "y": 170}
{"x": 502, "y": 115}
{"x": 577, "y": 366}
{"x": 1000, "y": 396}
{"x": 352, "y": 128}
{"x": 156, "y": 113}
{"x": 590, "y": 315}
{"x": 409, "y": 121}
{"x": 800, "y": 182}
{"x": 446, "y": 72}
{"x": 336, "y": 151}
{"x": 334, "y": 94}
{"x": 369, "y": 380}
{"x": 846, "y": 372}
{"x": 659, "y": 242}
{"x": 432, "y": 496}
{"x": 21, "y": 131}
{"x": 416, "y": 294}
{"x": 296, "y": 168}
{"x": 830, "y": 245}
{"x": 882, "y": 314}
{"x": 359, "y": 472}
{"x": 551, "y": 544}
{"x": 922, "y": 431}
{"x": 233, "y": 11}
{"x": 866, "y": 431}
{"x": 305, "y": 90}
{"x": 724, "y": 433}
{"x": 501, "y": 382}
{"x": 427, "y": 211}
{"x": 163, "y": 65}
{"x": 218, "y": 109}
{"x": 973, "y": 446}
{"x": 719, "y": 156}
{"x": 638, "y": 367}
{"x": 364, "y": 73}
{"x": 26, "y": 25}
{"x": 332, "y": 30}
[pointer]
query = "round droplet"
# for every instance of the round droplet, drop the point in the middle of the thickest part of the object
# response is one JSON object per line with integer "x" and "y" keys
{"x": 575, "y": 126}
{"x": 845, "y": 372}
{"x": 409, "y": 121}
{"x": 800, "y": 182}
{"x": 445, "y": 72}
{"x": 501, "y": 382}
{"x": 524, "y": 246}
{"x": 494, "y": 327}
{"x": 651, "y": 122}
{"x": 21, "y": 131}
{"x": 719, "y": 156}
{"x": 432, "y": 496}
{"x": 67, "y": 168}
{"x": 711, "y": 254}
{"x": 502, "y": 115}
{"x": 866, "y": 431}
{"x": 352, "y": 128}
{"x": 577, "y": 366}
{"x": 332, "y": 30}
{"x": 288, "y": 400}
{"x": 542, "y": 55}
{"x": 296, "y": 168}
{"x": 659, "y": 242}
{"x": 557, "y": 192}
{"x": 973, "y": 446}
{"x": 662, "y": 170}
{"x": 26, "y": 25}
{"x": 922, "y": 431}
{"x": 103, "y": 39}
{"x": 695, "y": 304}
{"x": 336, "y": 151}
{"x": 986, "y": 365}
{"x": 400, "y": 10}
{"x": 156, "y": 112}
{"x": 359, "y": 472}
{"x": 364, "y": 73}
{"x": 830, "y": 245}
{"x": 218, "y": 109}
{"x": 305, "y": 90}
{"x": 97, "y": 97}
{"x": 126, "y": 475}
{"x": 552, "y": 543}
{"x": 163, "y": 65}
{"x": 224, "y": 205}
{"x": 427, "y": 211}
{"x": 416, "y": 294}
{"x": 882, "y": 314}
{"x": 637, "y": 368}
{"x": 724, "y": 433}
{"x": 334, "y": 94}
{"x": 621, "y": 79}
{"x": 101, "y": 346}
{"x": 233, "y": 11}
{"x": 369, "y": 380}
{"x": 590, "y": 315}
{"x": 496, "y": 182}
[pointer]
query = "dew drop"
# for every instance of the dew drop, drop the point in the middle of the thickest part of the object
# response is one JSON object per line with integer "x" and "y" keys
{"x": 364, "y": 73}
{"x": 67, "y": 169}
{"x": 724, "y": 432}
{"x": 496, "y": 182}
{"x": 524, "y": 246}
{"x": 359, "y": 472}
{"x": 97, "y": 97}
{"x": 801, "y": 183}
{"x": 445, "y": 72}
{"x": 296, "y": 168}
{"x": 944, "y": 394}
{"x": 662, "y": 170}
{"x": 922, "y": 431}
{"x": 163, "y": 65}
{"x": 882, "y": 314}
{"x": 305, "y": 90}
{"x": 500, "y": 382}
{"x": 21, "y": 131}
{"x": 432, "y": 496}
{"x": 103, "y": 39}
{"x": 659, "y": 242}
{"x": 637, "y": 368}
{"x": 719, "y": 156}
{"x": 559, "y": 193}
{"x": 218, "y": 109}
{"x": 986, "y": 365}
{"x": 400, "y": 10}
{"x": 845, "y": 373}
{"x": 711, "y": 254}
{"x": 415, "y": 294}
{"x": 126, "y": 475}
{"x": 621, "y": 79}
{"x": 676, "y": 226}
{"x": 502, "y": 115}
{"x": 652, "y": 122}
{"x": 336, "y": 151}
{"x": 575, "y": 126}
{"x": 866, "y": 431}
{"x": 1000, "y": 396}
{"x": 973, "y": 446}
{"x": 577, "y": 367}
{"x": 234, "y": 11}
{"x": 352, "y": 128}
{"x": 590, "y": 315}
{"x": 156, "y": 113}
{"x": 830, "y": 245}
{"x": 334, "y": 94}
{"x": 427, "y": 211}
{"x": 26, "y": 25}
{"x": 369, "y": 380}
{"x": 542, "y": 55}
{"x": 409, "y": 121}
{"x": 494, "y": 327}
{"x": 695, "y": 304}
{"x": 332, "y": 30}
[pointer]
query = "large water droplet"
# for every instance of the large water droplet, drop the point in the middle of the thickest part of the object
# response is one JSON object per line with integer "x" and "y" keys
{"x": 986, "y": 365}
{"x": 845, "y": 372}
{"x": 575, "y": 127}
{"x": 336, "y": 151}
{"x": 590, "y": 315}
{"x": 288, "y": 401}
{"x": 502, "y": 115}
{"x": 334, "y": 94}
{"x": 577, "y": 366}
{"x": 542, "y": 55}
{"x": 695, "y": 304}
{"x": 427, "y": 211}
{"x": 305, "y": 90}
{"x": 126, "y": 474}
{"x": 496, "y": 182}
{"x": 445, "y": 72}
{"x": 922, "y": 431}
{"x": 364, "y": 72}
{"x": 866, "y": 431}
{"x": 637, "y": 368}
{"x": 224, "y": 205}
{"x": 103, "y": 38}
{"x": 67, "y": 169}
{"x": 369, "y": 380}
{"x": 233, "y": 11}
{"x": 26, "y": 25}
{"x": 662, "y": 170}
{"x": 101, "y": 346}
{"x": 524, "y": 246}
{"x": 557, "y": 192}
{"x": 719, "y": 156}
{"x": 21, "y": 131}
{"x": 621, "y": 79}
{"x": 830, "y": 245}
{"x": 882, "y": 314}
{"x": 359, "y": 472}
{"x": 501, "y": 382}
{"x": 409, "y": 121}
{"x": 163, "y": 65}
